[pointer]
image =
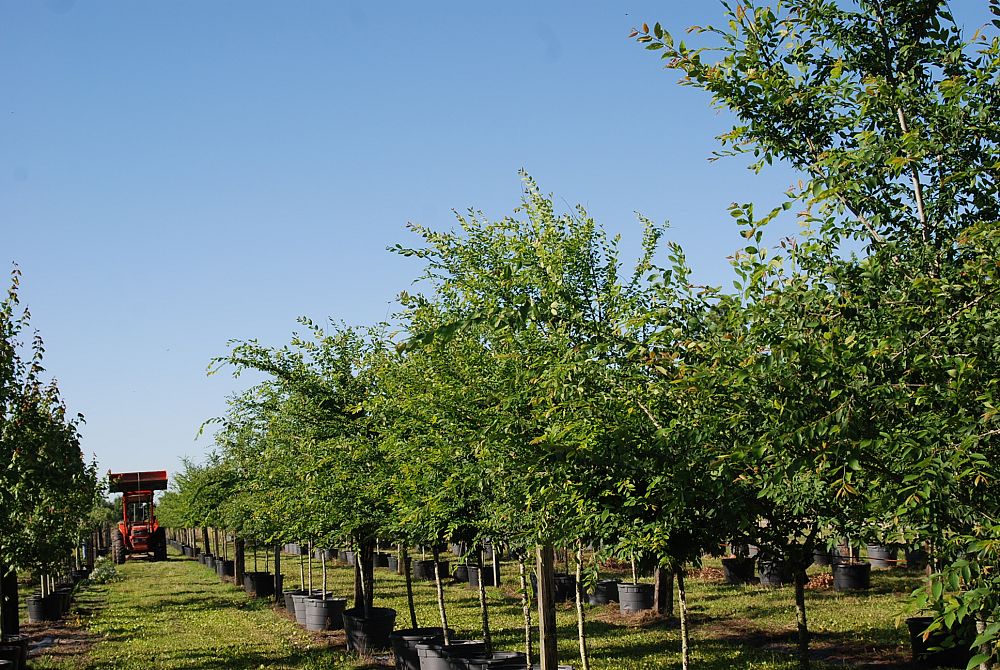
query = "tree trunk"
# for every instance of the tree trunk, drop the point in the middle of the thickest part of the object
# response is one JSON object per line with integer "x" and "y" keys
{"x": 9, "y": 623}
{"x": 580, "y": 622}
{"x": 525, "y": 607}
{"x": 359, "y": 585}
{"x": 496, "y": 564}
{"x": 204, "y": 540}
{"x": 323, "y": 561}
{"x": 239, "y": 560}
{"x": 800, "y": 618}
{"x": 302, "y": 570}
{"x": 309, "y": 548}
{"x": 404, "y": 565}
{"x": 440, "y": 596}
{"x": 218, "y": 549}
{"x": 401, "y": 567}
{"x": 483, "y": 607}
{"x": 278, "y": 579}
{"x": 548, "y": 651}
{"x": 663, "y": 591}
{"x": 685, "y": 636}
{"x": 366, "y": 556}
{"x": 985, "y": 649}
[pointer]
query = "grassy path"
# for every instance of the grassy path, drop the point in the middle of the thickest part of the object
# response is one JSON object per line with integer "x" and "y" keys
{"x": 176, "y": 614}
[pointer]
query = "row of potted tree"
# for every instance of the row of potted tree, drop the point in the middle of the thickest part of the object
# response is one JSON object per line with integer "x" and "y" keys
{"x": 49, "y": 494}
{"x": 538, "y": 394}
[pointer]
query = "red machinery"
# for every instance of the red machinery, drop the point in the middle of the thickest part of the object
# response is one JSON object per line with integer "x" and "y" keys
{"x": 138, "y": 531}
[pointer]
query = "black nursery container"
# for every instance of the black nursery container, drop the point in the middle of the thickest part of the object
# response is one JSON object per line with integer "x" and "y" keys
{"x": 634, "y": 598}
{"x": 325, "y": 613}
{"x": 369, "y": 633}
{"x": 852, "y": 576}
{"x": 498, "y": 660}
{"x": 380, "y": 560}
{"x": 404, "y": 645}
{"x": 486, "y": 572}
{"x": 775, "y": 573}
{"x": 259, "y": 584}
{"x": 605, "y": 591}
{"x": 424, "y": 570}
{"x": 435, "y": 656}
{"x": 739, "y": 569}
{"x": 882, "y": 557}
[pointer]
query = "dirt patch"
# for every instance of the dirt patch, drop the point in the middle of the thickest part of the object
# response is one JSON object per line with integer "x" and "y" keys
{"x": 707, "y": 574}
{"x": 827, "y": 647}
{"x": 66, "y": 641}
{"x": 611, "y": 614}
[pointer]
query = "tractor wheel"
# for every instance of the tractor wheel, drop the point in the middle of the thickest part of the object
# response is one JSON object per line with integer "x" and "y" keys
{"x": 160, "y": 545}
{"x": 117, "y": 547}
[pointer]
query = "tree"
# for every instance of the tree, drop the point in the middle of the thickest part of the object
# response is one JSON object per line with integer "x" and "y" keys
{"x": 870, "y": 360}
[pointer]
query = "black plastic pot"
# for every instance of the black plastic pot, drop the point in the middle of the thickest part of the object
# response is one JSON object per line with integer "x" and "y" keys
{"x": 225, "y": 568}
{"x": 565, "y": 587}
{"x": 365, "y": 634}
{"x": 852, "y": 576}
{"x": 299, "y": 600}
{"x": 288, "y": 602}
{"x": 605, "y": 591}
{"x": 20, "y": 643}
{"x": 633, "y": 598}
{"x": 325, "y": 613}
{"x": 775, "y": 573}
{"x": 424, "y": 570}
{"x": 739, "y": 569}
{"x": 62, "y": 596}
{"x": 393, "y": 563}
{"x": 461, "y": 573}
{"x": 380, "y": 560}
{"x": 499, "y": 660}
{"x": 348, "y": 557}
{"x": 882, "y": 557}
{"x": 259, "y": 584}
{"x": 36, "y": 608}
{"x": 404, "y": 645}
{"x": 955, "y": 655}
{"x": 916, "y": 559}
{"x": 474, "y": 573}
{"x": 435, "y": 656}
{"x": 10, "y": 657}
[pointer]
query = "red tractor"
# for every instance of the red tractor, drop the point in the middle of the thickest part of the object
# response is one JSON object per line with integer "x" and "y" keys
{"x": 138, "y": 532}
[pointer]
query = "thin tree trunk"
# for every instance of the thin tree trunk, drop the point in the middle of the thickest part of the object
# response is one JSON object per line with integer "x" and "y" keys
{"x": 204, "y": 538}
{"x": 800, "y": 618}
{"x": 581, "y": 627}
{"x": 359, "y": 585}
{"x": 302, "y": 571}
{"x": 401, "y": 567}
{"x": 323, "y": 561}
{"x": 525, "y": 607}
{"x": 440, "y": 596}
{"x": 278, "y": 579}
{"x": 985, "y": 648}
{"x": 255, "y": 556}
{"x": 548, "y": 650}
{"x": 404, "y": 564}
{"x": 635, "y": 570}
{"x": 682, "y": 601}
{"x": 487, "y": 638}
{"x": 310, "y": 550}
{"x": 496, "y": 564}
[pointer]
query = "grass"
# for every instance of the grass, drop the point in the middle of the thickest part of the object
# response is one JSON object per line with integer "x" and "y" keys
{"x": 177, "y": 614}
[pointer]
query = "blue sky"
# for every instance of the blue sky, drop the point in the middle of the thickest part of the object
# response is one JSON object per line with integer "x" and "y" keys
{"x": 177, "y": 174}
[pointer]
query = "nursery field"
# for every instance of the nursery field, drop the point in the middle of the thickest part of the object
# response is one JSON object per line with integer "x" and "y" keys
{"x": 177, "y": 614}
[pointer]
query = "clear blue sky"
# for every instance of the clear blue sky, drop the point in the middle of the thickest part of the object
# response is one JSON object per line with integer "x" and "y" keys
{"x": 177, "y": 174}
